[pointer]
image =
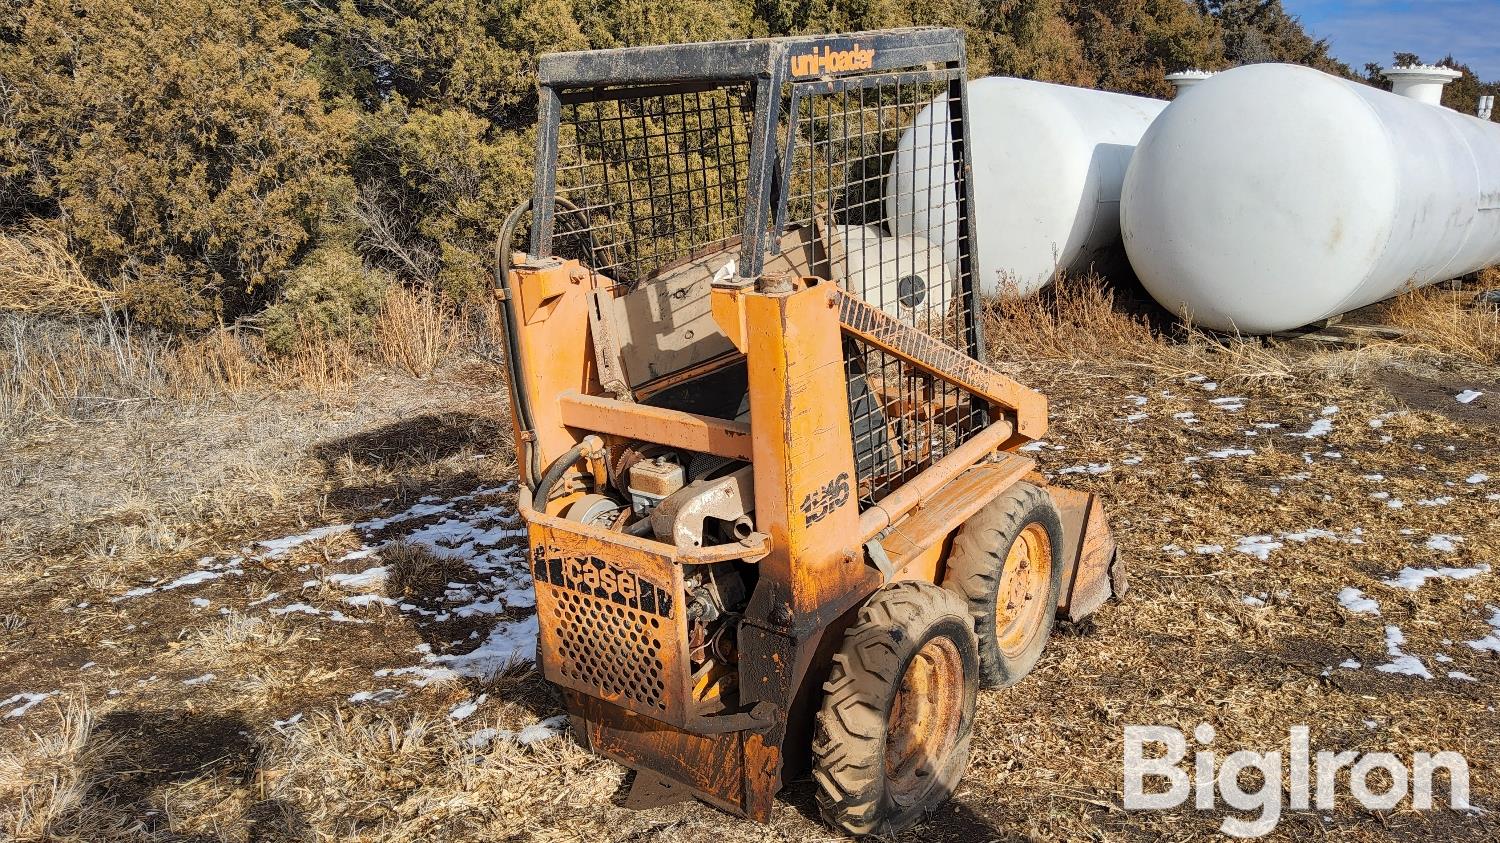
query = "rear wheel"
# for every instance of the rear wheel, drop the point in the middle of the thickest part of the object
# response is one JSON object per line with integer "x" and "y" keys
{"x": 1007, "y": 565}
{"x": 892, "y": 738}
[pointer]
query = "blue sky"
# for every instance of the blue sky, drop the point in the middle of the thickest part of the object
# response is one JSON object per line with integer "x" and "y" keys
{"x": 1362, "y": 31}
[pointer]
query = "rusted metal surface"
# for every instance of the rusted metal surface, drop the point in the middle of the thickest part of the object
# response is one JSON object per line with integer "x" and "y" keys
{"x": 946, "y": 509}
{"x": 1024, "y": 590}
{"x": 1093, "y": 571}
{"x": 880, "y": 516}
{"x": 656, "y": 424}
{"x": 876, "y": 327}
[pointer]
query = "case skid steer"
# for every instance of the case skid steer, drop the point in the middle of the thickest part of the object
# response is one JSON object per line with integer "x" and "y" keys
{"x": 777, "y": 518}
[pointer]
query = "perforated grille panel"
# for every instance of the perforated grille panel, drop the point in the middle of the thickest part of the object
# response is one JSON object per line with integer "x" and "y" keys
{"x": 610, "y": 647}
{"x": 609, "y": 629}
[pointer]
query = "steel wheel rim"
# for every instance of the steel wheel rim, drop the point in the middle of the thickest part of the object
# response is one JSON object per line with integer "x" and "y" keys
{"x": 1021, "y": 599}
{"x": 922, "y": 729}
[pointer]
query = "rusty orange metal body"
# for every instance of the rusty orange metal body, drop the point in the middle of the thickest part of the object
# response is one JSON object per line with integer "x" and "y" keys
{"x": 613, "y": 621}
{"x": 815, "y": 447}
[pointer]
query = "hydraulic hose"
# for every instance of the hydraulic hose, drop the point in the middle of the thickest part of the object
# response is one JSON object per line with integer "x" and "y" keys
{"x": 513, "y": 364}
{"x": 555, "y": 473}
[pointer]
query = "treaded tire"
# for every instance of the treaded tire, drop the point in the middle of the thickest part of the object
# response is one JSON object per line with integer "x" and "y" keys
{"x": 976, "y": 568}
{"x": 902, "y": 631}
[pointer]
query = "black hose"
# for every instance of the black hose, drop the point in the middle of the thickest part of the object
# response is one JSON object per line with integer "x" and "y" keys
{"x": 555, "y": 473}
{"x": 518, "y": 394}
{"x": 508, "y": 318}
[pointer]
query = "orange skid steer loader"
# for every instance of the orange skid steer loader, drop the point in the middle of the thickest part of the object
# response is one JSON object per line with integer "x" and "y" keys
{"x": 776, "y": 513}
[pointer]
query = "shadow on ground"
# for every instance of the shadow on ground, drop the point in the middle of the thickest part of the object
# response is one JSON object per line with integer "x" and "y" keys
{"x": 154, "y": 750}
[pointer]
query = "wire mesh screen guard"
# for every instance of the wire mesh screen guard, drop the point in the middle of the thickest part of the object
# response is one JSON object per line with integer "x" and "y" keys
{"x": 843, "y": 137}
{"x": 657, "y": 173}
{"x": 661, "y": 173}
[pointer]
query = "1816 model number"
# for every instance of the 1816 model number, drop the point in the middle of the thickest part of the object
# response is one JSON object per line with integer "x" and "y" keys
{"x": 818, "y": 503}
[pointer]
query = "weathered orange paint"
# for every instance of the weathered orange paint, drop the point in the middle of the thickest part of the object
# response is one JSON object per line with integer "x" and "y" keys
{"x": 656, "y": 424}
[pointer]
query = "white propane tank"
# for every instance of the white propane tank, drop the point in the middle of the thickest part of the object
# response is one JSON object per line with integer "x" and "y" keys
{"x": 1048, "y": 164}
{"x": 891, "y": 272}
{"x": 1274, "y": 196}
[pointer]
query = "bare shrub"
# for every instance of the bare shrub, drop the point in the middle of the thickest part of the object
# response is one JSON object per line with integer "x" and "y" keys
{"x": 39, "y": 275}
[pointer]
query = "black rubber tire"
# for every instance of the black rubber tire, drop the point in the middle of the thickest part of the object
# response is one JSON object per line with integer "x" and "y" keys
{"x": 852, "y": 730}
{"x": 975, "y": 566}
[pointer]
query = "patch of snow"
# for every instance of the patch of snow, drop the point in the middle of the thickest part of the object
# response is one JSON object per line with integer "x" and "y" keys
{"x": 1401, "y": 663}
{"x": 509, "y": 643}
{"x": 1373, "y": 478}
{"x": 549, "y": 728}
{"x": 382, "y": 696}
{"x": 365, "y": 600}
{"x": 1490, "y": 643}
{"x": 1476, "y": 478}
{"x": 1033, "y": 446}
{"x": 274, "y": 548}
{"x": 278, "y": 725}
{"x": 267, "y": 599}
{"x": 368, "y": 578}
{"x": 1091, "y": 468}
{"x": 466, "y": 708}
{"x": 1229, "y": 404}
{"x": 1412, "y": 579}
{"x": 1467, "y": 396}
{"x": 1321, "y": 427}
{"x": 1131, "y": 461}
{"x": 1208, "y": 549}
{"x": 1350, "y": 664}
{"x": 304, "y": 609}
{"x": 1226, "y": 453}
{"x": 1138, "y": 400}
{"x": 1188, "y": 417}
{"x": 201, "y": 602}
{"x": 1461, "y": 676}
{"x": 1135, "y": 417}
{"x": 1258, "y": 546}
{"x": 1444, "y": 542}
{"x": 200, "y": 680}
{"x": 1442, "y": 501}
{"x": 1355, "y": 601}
{"x": 1253, "y": 601}
{"x": 27, "y": 702}
{"x": 194, "y": 578}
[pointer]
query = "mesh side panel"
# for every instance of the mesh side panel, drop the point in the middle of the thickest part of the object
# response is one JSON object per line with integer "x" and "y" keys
{"x": 658, "y": 173}
{"x": 608, "y": 647}
{"x": 898, "y": 243}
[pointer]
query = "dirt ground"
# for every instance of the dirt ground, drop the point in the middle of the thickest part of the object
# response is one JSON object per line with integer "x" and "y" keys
{"x": 281, "y": 616}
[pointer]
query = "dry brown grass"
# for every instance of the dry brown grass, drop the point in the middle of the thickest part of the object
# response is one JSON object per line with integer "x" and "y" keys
{"x": 415, "y": 330}
{"x": 39, "y": 275}
{"x": 45, "y": 779}
{"x": 1448, "y": 321}
{"x": 72, "y": 369}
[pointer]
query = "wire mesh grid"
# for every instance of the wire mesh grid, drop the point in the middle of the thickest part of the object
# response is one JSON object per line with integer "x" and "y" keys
{"x": 868, "y": 163}
{"x": 660, "y": 174}
{"x": 657, "y": 173}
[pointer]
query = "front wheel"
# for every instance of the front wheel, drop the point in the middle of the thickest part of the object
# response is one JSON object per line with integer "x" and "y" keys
{"x": 892, "y": 738}
{"x": 1007, "y": 565}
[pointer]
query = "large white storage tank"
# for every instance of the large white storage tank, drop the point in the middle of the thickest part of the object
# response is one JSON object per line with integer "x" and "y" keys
{"x": 1272, "y": 196}
{"x": 1048, "y": 164}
